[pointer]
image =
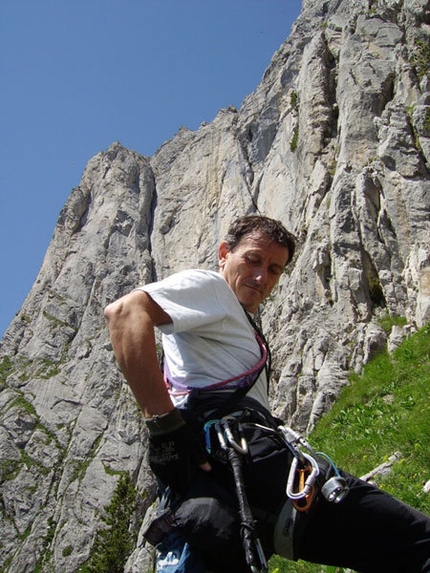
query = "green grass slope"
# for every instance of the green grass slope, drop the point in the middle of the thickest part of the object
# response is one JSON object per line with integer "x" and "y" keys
{"x": 383, "y": 411}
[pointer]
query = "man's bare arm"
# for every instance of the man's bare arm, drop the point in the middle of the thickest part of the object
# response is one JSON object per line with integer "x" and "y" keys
{"x": 131, "y": 321}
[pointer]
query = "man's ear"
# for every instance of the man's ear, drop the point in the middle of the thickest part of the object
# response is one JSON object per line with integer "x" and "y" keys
{"x": 223, "y": 251}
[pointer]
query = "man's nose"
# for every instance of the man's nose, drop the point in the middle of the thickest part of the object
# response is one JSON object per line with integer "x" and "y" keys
{"x": 260, "y": 275}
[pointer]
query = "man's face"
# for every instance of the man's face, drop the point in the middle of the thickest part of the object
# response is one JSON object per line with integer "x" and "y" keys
{"x": 252, "y": 268}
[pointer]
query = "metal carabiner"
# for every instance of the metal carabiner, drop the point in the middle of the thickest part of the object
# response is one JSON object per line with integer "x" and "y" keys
{"x": 241, "y": 448}
{"x": 294, "y": 437}
{"x": 225, "y": 435}
{"x": 220, "y": 434}
{"x": 310, "y": 480}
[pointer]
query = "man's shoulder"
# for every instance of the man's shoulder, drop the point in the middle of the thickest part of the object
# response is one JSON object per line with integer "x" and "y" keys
{"x": 184, "y": 276}
{"x": 205, "y": 279}
{"x": 203, "y": 274}
{"x": 190, "y": 281}
{"x": 196, "y": 276}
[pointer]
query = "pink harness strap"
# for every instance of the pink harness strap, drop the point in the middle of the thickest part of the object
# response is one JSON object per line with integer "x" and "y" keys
{"x": 241, "y": 380}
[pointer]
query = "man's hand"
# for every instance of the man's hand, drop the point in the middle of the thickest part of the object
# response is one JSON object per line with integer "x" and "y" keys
{"x": 174, "y": 450}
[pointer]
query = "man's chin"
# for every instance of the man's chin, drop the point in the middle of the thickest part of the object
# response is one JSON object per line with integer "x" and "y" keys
{"x": 250, "y": 305}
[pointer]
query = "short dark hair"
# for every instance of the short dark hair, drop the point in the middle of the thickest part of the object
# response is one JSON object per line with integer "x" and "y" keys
{"x": 258, "y": 223}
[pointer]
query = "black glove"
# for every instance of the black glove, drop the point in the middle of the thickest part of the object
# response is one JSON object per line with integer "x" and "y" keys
{"x": 174, "y": 450}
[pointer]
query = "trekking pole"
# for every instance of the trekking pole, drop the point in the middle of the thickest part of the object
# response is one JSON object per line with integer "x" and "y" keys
{"x": 254, "y": 553}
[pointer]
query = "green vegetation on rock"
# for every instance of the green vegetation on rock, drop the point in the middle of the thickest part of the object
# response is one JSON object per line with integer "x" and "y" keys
{"x": 383, "y": 411}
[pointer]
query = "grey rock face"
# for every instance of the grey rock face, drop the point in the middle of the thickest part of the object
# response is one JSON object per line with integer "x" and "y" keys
{"x": 335, "y": 143}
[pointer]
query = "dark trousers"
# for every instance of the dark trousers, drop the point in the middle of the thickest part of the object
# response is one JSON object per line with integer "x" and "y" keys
{"x": 369, "y": 531}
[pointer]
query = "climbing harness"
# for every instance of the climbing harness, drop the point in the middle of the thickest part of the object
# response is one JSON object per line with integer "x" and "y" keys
{"x": 236, "y": 449}
{"x": 310, "y": 472}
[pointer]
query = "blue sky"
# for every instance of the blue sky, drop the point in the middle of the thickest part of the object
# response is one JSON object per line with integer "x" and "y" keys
{"x": 78, "y": 75}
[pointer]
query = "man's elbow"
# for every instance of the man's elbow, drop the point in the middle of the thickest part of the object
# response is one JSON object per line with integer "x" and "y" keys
{"x": 123, "y": 309}
{"x": 109, "y": 312}
{"x": 114, "y": 313}
{"x": 137, "y": 307}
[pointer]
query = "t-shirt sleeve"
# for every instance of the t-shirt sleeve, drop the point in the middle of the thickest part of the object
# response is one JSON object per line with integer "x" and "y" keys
{"x": 191, "y": 299}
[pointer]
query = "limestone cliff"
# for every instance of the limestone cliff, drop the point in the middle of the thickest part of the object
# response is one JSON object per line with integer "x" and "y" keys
{"x": 334, "y": 142}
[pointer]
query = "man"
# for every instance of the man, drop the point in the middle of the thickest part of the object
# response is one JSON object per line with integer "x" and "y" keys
{"x": 214, "y": 365}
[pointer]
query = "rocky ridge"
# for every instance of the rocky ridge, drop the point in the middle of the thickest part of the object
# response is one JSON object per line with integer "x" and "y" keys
{"x": 335, "y": 142}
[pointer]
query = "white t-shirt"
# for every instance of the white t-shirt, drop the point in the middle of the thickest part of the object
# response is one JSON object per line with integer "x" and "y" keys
{"x": 210, "y": 338}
